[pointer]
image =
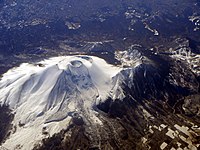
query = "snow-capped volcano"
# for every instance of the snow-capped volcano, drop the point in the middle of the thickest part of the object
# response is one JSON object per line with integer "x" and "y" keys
{"x": 70, "y": 100}
{"x": 46, "y": 94}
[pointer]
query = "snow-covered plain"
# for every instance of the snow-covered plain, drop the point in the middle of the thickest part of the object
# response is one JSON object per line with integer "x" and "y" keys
{"x": 43, "y": 95}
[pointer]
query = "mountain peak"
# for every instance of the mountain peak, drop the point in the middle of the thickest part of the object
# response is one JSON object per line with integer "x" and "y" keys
{"x": 46, "y": 93}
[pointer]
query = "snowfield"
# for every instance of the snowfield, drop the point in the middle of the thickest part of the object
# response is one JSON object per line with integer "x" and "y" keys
{"x": 43, "y": 95}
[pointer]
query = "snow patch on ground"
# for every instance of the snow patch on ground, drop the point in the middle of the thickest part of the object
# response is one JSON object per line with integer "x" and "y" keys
{"x": 195, "y": 18}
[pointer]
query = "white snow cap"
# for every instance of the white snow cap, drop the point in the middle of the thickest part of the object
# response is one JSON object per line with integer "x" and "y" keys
{"x": 44, "y": 94}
